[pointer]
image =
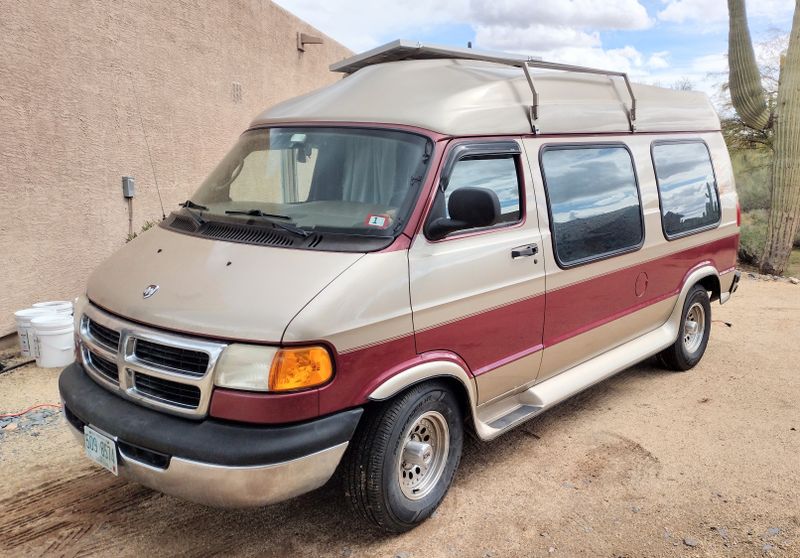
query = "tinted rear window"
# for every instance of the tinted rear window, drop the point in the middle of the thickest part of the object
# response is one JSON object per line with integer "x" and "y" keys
{"x": 686, "y": 186}
{"x": 594, "y": 202}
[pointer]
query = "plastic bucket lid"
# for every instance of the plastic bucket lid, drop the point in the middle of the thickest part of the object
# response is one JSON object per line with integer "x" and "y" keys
{"x": 26, "y": 315}
{"x": 51, "y": 323}
{"x": 62, "y": 306}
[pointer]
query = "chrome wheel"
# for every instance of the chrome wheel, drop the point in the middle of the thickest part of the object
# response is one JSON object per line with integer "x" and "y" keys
{"x": 694, "y": 327}
{"x": 426, "y": 445}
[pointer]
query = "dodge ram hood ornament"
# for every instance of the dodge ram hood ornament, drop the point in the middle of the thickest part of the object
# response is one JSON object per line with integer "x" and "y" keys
{"x": 150, "y": 291}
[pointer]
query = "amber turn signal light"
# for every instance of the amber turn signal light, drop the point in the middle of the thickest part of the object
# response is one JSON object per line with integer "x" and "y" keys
{"x": 300, "y": 368}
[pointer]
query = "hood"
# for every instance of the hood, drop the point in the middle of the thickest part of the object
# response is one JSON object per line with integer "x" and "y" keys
{"x": 213, "y": 288}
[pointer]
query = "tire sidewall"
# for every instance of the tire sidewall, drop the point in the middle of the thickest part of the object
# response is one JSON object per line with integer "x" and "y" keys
{"x": 402, "y": 509}
{"x": 697, "y": 294}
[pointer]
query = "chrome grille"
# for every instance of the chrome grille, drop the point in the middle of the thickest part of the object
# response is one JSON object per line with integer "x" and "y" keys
{"x": 167, "y": 391}
{"x": 156, "y": 369}
{"x": 104, "y": 366}
{"x": 184, "y": 361}
{"x": 105, "y": 336}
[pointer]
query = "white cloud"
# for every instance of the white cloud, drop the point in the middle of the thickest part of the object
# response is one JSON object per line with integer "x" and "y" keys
{"x": 715, "y": 11}
{"x": 563, "y": 31}
{"x": 498, "y": 24}
{"x": 658, "y": 60}
{"x": 361, "y": 25}
{"x": 680, "y": 11}
{"x": 710, "y": 63}
{"x": 706, "y": 73}
{"x": 626, "y": 59}
{"x": 580, "y": 14}
{"x": 533, "y": 38}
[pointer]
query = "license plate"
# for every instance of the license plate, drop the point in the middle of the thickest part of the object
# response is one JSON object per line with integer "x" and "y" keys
{"x": 100, "y": 449}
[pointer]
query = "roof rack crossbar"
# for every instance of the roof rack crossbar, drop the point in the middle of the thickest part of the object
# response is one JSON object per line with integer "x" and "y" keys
{"x": 406, "y": 50}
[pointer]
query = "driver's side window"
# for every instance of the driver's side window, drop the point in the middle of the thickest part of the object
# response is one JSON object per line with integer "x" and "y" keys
{"x": 497, "y": 173}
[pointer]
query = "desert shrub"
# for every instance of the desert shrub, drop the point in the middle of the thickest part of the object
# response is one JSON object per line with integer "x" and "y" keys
{"x": 752, "y": 171}
{"x": 753, "y": 236}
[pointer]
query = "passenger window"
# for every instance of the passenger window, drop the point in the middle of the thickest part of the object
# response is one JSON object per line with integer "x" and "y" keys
{"x": 686, "y": 187}
{"x": 498, "y": 173}
{"x": 594, "y": 202}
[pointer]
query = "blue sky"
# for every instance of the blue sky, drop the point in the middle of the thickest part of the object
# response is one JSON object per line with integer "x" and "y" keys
{"x": 656, "y": 41}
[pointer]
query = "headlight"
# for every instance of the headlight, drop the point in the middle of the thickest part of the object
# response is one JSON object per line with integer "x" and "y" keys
{"x": 256, "y": 368}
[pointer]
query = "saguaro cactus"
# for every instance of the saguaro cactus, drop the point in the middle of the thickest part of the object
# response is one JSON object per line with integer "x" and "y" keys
{"x": 749, "y": 100}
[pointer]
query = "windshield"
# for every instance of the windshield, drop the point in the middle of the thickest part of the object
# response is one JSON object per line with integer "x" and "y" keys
{"x": 342, "y": 180}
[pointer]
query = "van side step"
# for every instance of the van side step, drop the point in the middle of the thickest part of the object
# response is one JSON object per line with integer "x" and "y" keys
{"x": 496, "y": 417}
{"x": 519, "y": 415}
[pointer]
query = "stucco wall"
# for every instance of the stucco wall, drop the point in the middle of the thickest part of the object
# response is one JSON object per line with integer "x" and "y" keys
{"x": 78, "y": 83}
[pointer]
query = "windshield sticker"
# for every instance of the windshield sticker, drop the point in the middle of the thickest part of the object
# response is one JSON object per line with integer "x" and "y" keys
{"x": 378, "y": 221}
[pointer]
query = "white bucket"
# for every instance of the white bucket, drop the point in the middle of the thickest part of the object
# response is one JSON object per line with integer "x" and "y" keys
{"x": 27, "y": 342}
{"x": 56, "y": 306}
{"x": 55, "y": 340}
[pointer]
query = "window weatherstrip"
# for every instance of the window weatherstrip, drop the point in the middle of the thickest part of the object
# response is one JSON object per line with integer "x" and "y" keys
{"x": 711, "y": 226}
{"x": 605, "y": 255}
{"x": 478, "y": 149}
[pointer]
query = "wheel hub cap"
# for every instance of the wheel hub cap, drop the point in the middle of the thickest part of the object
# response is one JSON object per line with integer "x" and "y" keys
{"x": 694, "y": 327}
{"x": 426, "y": 445}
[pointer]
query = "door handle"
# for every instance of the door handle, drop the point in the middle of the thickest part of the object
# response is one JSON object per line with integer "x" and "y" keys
{"x": 524, "y": 251}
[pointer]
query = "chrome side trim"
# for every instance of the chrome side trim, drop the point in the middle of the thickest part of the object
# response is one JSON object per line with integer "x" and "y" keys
{"x": 128, "y": 364}
{"x": 232, "y": 487}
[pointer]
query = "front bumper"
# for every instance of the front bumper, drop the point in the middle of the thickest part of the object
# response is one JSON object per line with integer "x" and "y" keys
{"x": 209, "y": 462}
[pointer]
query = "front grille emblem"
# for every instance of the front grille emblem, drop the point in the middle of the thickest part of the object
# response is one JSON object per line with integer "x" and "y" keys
{"x": 150, "y": 291}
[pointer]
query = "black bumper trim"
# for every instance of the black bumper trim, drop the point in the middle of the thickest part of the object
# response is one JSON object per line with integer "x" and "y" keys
{"x": 209, "y": 440}
{"x": 737, "y": 275}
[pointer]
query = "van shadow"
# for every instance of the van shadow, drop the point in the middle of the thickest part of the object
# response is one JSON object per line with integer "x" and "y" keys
{"x": 332, "y": 520}
{"x": 322, "y": 521}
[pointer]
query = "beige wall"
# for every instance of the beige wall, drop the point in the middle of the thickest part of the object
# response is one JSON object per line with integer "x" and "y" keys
{"x": 74, "y": 78}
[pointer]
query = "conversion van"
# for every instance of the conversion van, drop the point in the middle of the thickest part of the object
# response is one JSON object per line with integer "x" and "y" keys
{"x": 443, "y": 242}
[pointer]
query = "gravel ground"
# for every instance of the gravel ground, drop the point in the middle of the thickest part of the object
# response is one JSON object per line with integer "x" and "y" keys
{"x": 649, "y": 463}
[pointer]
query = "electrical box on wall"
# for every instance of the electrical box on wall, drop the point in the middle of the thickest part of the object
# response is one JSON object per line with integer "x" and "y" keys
{"x": 128, "y": 190}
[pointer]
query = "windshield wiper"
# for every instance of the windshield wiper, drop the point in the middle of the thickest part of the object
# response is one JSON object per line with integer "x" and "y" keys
{"x": 189, "y": 206}
{"x": 257, "y": 213}
{"x": 270, "y": 217}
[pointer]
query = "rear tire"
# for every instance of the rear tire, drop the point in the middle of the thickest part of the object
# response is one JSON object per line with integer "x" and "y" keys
{"x": 404, "y": 456}
{"x": 694, "y": 332}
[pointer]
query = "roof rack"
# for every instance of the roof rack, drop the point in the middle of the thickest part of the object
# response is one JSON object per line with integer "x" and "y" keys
{"x": 411, "y": 50}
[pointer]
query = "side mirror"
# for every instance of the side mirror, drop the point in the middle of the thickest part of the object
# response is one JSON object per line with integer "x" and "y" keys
{"x": 469, "y": 208}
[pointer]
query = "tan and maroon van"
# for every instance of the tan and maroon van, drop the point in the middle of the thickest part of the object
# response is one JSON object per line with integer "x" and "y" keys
{"x": 443, "y": 242}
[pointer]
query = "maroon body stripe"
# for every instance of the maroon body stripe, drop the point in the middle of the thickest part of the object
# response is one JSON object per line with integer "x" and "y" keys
{"x": 482, "y": 342}
{"x": 357, "y": 371}
{"x": 491, "y": 336}
{"x": 265, "y": 408}
{"x": 583, "y": 306}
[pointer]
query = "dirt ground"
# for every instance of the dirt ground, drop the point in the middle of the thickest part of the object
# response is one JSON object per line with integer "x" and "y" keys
{"x": 649, "y": 463}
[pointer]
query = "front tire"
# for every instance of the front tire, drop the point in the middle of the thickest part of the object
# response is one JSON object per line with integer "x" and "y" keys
{"x": 404, "y": 456}
{"x": 694, "y": 332}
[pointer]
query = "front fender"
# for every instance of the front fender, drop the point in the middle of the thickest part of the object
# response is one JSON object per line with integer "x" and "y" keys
{"x": 437, "y": 364}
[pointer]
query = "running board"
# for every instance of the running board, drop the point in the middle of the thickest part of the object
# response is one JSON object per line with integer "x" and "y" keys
{"x": 496, "y": 417}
